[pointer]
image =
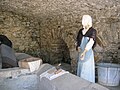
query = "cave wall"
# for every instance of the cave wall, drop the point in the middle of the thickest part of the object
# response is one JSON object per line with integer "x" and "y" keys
{"x": 48, "y": 28}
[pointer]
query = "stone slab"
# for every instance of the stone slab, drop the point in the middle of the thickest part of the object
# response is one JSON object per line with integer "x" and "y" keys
{"x": 24, "y": 82}
{"x": 12, "y": 72}
{"x": 43, "y": 68}
{"x": 69, "y": 82}
{"x": 20, "y": 56}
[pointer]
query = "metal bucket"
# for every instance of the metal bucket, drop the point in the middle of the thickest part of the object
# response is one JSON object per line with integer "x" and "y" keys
{"x": 108, "y": 74}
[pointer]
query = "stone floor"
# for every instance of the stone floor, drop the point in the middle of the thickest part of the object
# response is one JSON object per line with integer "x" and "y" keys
{"x": 113, "y": 87}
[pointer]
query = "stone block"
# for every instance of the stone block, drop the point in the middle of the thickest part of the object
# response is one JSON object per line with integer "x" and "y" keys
{"x": 43, "y": 68}
{"x": 69, "y": 82}
{"x": 8, "y": 55}
{"x": 21, "y": 56}
{"x": 30, "y": 63}
{"x": 23, "y": 82}
{"x": 12, "y": 72}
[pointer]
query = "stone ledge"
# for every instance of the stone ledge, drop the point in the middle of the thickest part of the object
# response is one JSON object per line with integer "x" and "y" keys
{"x": 12, "y": 72}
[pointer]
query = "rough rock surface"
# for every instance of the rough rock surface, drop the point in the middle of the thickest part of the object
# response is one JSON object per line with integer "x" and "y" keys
{"x": 48, "y": 28}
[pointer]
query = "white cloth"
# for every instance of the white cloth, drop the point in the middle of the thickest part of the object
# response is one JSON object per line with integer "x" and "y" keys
{"x": 52, "y": 76}
{"x": 89, "y": 44}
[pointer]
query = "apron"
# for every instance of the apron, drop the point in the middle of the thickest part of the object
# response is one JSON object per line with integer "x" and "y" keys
{"x": 86, "y": 67}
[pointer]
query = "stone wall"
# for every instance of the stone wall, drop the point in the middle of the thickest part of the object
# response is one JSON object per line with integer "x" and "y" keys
{"x": 48, "y": 28}
{"x": 20, "y": 30}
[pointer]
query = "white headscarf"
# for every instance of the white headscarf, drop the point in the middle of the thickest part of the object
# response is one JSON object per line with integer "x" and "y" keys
{"x": 87, "y": 21}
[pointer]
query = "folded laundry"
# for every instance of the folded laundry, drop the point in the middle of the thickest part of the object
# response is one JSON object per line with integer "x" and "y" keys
{"x": 51, "y": 73}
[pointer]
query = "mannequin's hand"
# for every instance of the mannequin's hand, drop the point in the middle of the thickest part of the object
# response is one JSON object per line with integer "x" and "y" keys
{"x": 83, "y": 54}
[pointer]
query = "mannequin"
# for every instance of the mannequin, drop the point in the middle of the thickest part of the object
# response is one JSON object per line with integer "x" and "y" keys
{"x": 86, "y": 40}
